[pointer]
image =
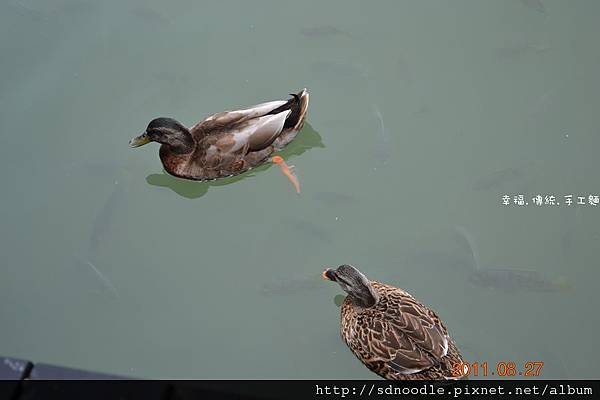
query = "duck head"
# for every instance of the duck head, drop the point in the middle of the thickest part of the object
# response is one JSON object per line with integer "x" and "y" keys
{"x": 353, "y": 282}
{"x": 168, "y": 132}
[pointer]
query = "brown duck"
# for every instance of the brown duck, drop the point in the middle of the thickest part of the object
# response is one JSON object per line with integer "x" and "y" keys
{"x": 393, "y": 334}
{"x": 227, "y": 143}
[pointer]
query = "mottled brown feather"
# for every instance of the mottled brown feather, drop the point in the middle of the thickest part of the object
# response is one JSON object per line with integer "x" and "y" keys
{"x": 399, "y": 338}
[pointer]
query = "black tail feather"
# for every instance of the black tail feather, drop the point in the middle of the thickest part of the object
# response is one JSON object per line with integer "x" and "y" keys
{"x": 292, "y": 104}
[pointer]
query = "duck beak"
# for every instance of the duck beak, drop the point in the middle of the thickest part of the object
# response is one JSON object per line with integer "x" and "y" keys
{"x": 328, "y": 275}
{"x": 139, "y": 140}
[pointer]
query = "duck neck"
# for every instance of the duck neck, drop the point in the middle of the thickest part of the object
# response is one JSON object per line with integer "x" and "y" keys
{"x": 181, "y": 144}
{"x": 366, "y": 297}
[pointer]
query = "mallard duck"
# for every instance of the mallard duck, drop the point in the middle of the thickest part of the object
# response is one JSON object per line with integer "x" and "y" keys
{"x": 393, "y": 334}
{"x": 227, "y": 143}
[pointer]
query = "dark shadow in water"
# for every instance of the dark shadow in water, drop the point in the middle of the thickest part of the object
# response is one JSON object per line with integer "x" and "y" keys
{"x": 338, "y": 299}
{"x": 307, "y": 139}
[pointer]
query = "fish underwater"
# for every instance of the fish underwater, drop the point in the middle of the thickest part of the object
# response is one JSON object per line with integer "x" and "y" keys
{"x": 383, "y": 141}
{"x": 535, "y": 5}
{"x": 22, "y": 8}
{"x": 148, "y": 15}
{"x": 100, "y": 229}
{"x": 323, "y": 31}
{"x": 308, "y": 229}
{"x": 498, "y": 179}
{"x": 520, "y": 50}
{"x": 383, "y": 151}
{"x": 435, "y": 259}
{"x": 105, "y": 218}
{"x": 103, "y": 279}
{"x": 288, "y": 171}
{"x": 509, "y": 279}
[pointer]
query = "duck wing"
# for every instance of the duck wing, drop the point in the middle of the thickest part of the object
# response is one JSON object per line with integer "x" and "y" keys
{"x": 408, "y": 336}
{"x": 225, "y": 120}
{"x": 242, "y": 137}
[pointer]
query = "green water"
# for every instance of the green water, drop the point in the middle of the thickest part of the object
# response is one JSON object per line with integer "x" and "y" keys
{"x": 418, "y": 112}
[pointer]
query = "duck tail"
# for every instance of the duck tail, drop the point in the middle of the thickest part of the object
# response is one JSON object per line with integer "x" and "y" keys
{"x": 298, "y": 104}
{"x": 299, "y": 109}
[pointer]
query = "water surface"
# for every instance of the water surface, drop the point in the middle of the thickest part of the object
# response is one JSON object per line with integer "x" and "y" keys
{"x": 415, "y": 107}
